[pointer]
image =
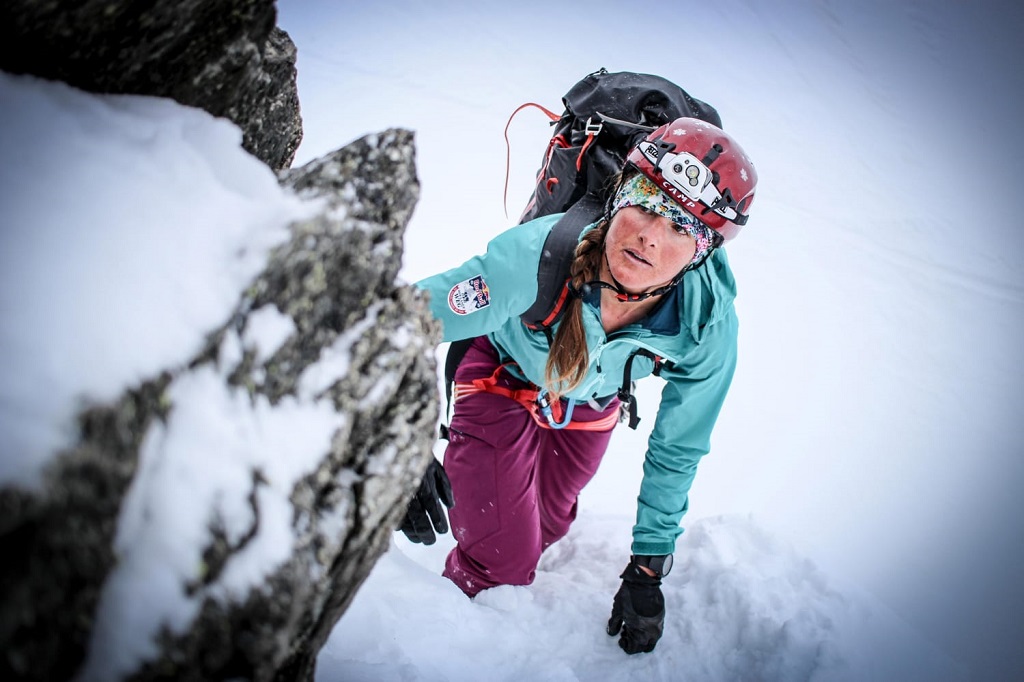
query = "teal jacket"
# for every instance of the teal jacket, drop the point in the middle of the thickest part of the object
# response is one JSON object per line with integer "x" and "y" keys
{"x": 694, "y": 329}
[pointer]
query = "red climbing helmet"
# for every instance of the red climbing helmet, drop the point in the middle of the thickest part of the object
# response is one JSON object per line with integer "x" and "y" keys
{"x": 703, "y": 168}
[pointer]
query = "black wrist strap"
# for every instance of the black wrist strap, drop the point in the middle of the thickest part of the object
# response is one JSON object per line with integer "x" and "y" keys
{"x": 661, "y": 564}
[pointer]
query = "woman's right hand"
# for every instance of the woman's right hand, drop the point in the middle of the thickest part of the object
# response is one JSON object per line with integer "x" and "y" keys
{"x": 425, "y": 514}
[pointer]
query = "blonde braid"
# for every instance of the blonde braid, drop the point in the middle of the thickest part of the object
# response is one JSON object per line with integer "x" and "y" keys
{"x": 569, "y": 357}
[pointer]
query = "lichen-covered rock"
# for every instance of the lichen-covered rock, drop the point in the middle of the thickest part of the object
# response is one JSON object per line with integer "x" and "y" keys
{"x": 57, "y": 548}
{"x": 355, "y": 341}
{"x": 335, "y": 280}
{"x": 224, "y": 56}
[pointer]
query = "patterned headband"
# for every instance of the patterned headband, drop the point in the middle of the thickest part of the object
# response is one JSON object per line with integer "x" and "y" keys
{"x": 640, "y": 191}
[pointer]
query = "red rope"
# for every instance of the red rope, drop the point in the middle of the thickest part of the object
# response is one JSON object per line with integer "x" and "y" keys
{"x": 508, "y": 147}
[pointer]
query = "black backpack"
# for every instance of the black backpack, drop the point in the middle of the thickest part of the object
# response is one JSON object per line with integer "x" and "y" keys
{"x": 605, "y": 115}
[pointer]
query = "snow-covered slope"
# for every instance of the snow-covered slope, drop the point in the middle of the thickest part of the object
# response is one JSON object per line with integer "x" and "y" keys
{"x": 874, "y": 420}
{"x": 743, "y": 605}
{"x": 873, "y": 424}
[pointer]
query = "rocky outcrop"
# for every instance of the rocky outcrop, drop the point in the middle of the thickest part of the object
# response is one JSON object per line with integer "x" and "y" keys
{"x": 224, "y": 56}
{"x": 58, "y": 546}
{"x": 335, "y": 281}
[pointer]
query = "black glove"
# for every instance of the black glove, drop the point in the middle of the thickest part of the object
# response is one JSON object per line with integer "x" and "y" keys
{"x": 425, "y": 514}
{"x": 638, "y": 610}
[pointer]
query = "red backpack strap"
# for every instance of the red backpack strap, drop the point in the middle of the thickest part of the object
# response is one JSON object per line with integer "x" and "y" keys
{"x": 592, "y": 130}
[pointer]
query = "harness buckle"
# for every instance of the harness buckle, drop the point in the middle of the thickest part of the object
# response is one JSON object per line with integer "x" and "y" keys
{"x": 547, "y": 410}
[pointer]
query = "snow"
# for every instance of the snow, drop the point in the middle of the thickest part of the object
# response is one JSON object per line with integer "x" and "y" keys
{"x": 858, "y": 517}
{"x": 334, "y": 360}
{"x": 266, "y": 330}
{"x": 753, "y": 609}
{"x": 155, "y": 242}
{"x": 195, "y": 471}
{"x": 131, "y": 226}
{"x": 874, "y": 419}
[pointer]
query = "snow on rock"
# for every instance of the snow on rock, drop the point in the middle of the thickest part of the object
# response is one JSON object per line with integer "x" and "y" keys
{"x": 238, "y": 64}
{"x": 175, "y": 499}
{"x": 131, "y": 224}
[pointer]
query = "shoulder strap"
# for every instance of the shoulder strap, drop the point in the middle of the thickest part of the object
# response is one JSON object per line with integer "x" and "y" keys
{"x": 456, "y": 351}
{"x": 555, "y": 261}
{"x": 552, "y": 277}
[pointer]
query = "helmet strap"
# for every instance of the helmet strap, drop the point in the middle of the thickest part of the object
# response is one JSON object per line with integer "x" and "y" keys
{"x": 620, "y": 291}
{"x": 625, "y": 296}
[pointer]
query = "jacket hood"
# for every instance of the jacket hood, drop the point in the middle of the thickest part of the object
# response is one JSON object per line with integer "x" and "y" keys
{"x": 708, "y": 295}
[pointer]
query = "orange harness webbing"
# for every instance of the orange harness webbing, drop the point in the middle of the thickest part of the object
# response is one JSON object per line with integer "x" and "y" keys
{"x": 527, "y": 397}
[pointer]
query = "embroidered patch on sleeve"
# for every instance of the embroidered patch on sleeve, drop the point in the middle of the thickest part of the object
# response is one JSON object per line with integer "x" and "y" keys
{"x": 469, "y": 296}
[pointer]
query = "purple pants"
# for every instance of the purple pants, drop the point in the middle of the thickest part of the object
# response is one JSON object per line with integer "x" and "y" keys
{"x": 515, "y": 483}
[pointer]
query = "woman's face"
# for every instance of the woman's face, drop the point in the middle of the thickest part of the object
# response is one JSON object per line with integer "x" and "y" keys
{"x": 645, "y": 250}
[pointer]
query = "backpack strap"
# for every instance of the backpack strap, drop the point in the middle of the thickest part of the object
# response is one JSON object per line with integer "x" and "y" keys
{"x": 456, "y": 351}
{"x": 552, "y": 283}
{"x": 555, "y": 261}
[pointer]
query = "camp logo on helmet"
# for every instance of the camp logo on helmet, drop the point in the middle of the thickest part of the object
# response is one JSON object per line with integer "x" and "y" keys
{"x": 703, "y": 169}
{"x": 469, "y": 296}
{"x": 684, "y": 174}
{"x": 673, "y": 191}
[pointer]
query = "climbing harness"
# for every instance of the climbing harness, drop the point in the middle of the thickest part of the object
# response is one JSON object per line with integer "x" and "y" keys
{"x": 547, "y": 413}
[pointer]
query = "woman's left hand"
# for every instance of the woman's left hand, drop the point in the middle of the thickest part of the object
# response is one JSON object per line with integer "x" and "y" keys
{"x": 638, "y": 611}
